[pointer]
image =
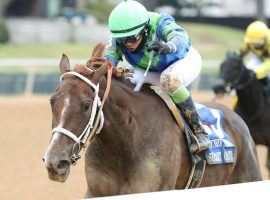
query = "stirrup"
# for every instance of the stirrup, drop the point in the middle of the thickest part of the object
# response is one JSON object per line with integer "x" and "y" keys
{"x": 199, "y": 146}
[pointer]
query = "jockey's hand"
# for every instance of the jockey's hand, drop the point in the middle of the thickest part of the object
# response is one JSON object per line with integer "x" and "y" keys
{"x": 129, "y": 73}
{"x": 241, "y": 54}
{"x": 158, "y": 47}
{"x": 121, "y": 72}
{"x": 118, "y": 72}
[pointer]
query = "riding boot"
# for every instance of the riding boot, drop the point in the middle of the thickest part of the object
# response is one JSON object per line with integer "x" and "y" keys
{"x": 182, "y": 99}
{"x": 200, "y": 138}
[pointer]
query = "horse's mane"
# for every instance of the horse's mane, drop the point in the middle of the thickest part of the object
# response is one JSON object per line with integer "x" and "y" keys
{"x": 95, "y": 61}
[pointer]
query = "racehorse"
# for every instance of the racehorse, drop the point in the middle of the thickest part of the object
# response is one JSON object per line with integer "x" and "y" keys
{"x": 140, "y": 147}
{"x": 251, "y": 105}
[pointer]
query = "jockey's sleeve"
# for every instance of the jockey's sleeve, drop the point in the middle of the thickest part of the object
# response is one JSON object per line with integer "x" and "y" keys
{"x": 263, "y": 69}
{"x": 113, "y": 52}
{"x": 175, "y": 36}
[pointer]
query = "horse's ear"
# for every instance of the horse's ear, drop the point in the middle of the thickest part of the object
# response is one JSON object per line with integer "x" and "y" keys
{"x": 101, "y": 71}
{"x": 64, "y": 64}
{"x": 98, "y": 50}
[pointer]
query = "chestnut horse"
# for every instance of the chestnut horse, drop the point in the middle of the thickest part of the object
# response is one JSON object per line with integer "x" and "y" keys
{"x": 251, "y": 106}
{"x": 140, "y": 147}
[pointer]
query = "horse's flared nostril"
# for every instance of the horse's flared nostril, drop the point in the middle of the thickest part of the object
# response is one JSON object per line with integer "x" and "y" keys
{"x": 63, "y": 164}
{"x": 57, "y": 162}
{"x": 43, "y": 159}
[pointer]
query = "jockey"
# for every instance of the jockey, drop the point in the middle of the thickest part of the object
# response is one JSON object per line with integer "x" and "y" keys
{"x": 256, "y": 47}
{"x": 175, "y": 64}
{"x": 257, "y": 42}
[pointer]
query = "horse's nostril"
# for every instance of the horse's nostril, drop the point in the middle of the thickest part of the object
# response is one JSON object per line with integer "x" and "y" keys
{"x": 63, "y": 164}
{"x": 43, "y": 159}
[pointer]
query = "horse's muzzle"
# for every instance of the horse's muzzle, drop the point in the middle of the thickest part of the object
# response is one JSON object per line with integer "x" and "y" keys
{"x": 58, "y": 166}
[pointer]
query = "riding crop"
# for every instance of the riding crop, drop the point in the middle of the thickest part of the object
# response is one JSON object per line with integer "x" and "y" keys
{"x": 151, "y": 56}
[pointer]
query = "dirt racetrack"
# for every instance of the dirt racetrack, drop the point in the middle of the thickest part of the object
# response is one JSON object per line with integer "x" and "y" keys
{"x": 25, "y": 125}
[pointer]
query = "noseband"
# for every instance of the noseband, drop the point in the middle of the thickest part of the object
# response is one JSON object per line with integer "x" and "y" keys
{"x": 96, "y": 116}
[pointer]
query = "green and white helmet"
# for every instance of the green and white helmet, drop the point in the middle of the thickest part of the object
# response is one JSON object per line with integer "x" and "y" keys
{"x": 127, "y": 18}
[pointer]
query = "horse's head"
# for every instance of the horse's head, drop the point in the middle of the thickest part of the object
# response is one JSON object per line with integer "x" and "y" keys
{"x": 74, "y": 107}
{"x": 231, "y": 69}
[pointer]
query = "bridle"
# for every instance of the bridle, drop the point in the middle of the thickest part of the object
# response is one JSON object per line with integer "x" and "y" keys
{"x": 95, "y": 122}
{"x": 238, "y": 84}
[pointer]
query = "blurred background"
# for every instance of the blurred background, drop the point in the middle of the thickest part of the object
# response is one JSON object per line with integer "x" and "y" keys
{"x": 33, "y": 36}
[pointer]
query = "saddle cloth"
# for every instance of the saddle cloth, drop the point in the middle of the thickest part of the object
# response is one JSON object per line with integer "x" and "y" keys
{"x": 222, "y": 150}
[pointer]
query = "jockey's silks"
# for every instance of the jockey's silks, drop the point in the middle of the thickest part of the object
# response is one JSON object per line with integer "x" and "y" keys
{"x": 263, "y": 54}
{"x": 166, "y": 30}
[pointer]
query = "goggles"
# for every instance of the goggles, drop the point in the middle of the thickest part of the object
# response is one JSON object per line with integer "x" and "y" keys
{"x": 257, "y": 45}
{"x": 130, "y": 39}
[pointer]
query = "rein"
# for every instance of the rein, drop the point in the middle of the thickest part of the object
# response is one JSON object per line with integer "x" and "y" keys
{"x": 96, "y": 120}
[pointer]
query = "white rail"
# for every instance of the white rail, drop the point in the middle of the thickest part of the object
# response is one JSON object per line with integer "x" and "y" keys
{"x": 43, "y": 62}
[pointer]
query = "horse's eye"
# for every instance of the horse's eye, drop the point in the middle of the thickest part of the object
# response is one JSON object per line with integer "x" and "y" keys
{"x": 52, "y": 102}
{"x": 85, "y": 106}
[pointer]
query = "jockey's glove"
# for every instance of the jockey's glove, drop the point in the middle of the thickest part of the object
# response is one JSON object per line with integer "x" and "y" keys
{"x": 158, "y": 47}
{"x": 118, "y": 72}
{"x": 123, "y": 72}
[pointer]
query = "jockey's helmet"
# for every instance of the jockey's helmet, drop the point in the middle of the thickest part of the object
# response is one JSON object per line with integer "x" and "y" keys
{"x": 128, "y": 18}
{"x": 256, "y": 33}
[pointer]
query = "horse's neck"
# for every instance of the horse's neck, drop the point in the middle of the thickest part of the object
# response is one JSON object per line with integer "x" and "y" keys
{"x": 135, "y": 127}
{"x": 117, "y": 131}
{"x": 250, "y": 96}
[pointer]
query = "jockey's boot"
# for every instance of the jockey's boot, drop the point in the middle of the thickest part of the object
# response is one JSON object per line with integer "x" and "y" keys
{"x": 200, "y": 140}
{"x": 183, "y": 100}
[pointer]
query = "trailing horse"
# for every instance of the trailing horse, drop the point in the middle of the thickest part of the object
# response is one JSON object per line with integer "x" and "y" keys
{"x": 140, "y": 147}
{"x": 252, "y": 106}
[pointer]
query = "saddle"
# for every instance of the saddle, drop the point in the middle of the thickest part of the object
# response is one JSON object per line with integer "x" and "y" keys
{"x": 222, "y": 150}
